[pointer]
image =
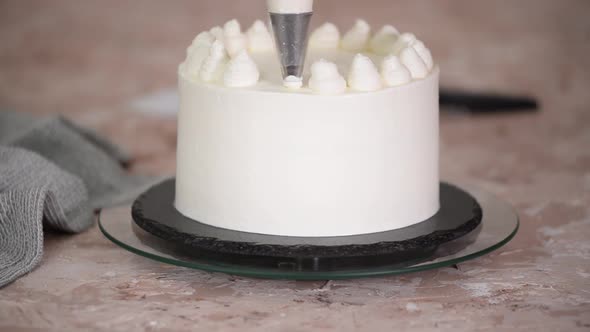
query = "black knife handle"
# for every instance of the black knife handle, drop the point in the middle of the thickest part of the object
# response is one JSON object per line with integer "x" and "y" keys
{"x": 486, "y": 102}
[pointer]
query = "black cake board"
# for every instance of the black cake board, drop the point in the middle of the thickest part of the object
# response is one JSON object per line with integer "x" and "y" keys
{"x": 459, "y": 215}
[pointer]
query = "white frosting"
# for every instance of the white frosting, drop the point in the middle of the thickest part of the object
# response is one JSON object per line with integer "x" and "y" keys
{"x": 202, "y": 40}
{"x": 357, "y": 38}
{"x": 324, "y": 44}
{"x": 296, "y": 164}
{"x": 318, "y": 160}
{"x": 289, "y": 6}
{"x": 424, "y": 53}
{"x": 196, "y": 54}
{"x": 404, "y": 40}
{"x": 363, "y": 75}
{"x": 410, "y": 58}
{"x": 217, "y": 32}
{"x": 383, "y": 41}
{"x": 293, "y": 82}
{"x": 241, "y": 71}
{"x": 194, "y": 62}
{"x": 259, "y": 39}
{"x": 393, "y": 72}
{"x": 214, "y": 64}
{"x": 326, "y": 36}
{"x": 234, "y": 40}
{"x": 325, "y": 78}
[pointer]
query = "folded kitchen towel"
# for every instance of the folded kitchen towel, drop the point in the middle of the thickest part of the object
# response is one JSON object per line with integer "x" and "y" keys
{"x": 53, "y": 174}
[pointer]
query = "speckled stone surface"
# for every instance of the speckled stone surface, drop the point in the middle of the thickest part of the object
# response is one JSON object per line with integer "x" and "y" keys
{"x": 89, "y": 60}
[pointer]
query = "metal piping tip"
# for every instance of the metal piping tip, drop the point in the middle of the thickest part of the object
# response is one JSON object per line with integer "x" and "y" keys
{"x": 291, "y": 35}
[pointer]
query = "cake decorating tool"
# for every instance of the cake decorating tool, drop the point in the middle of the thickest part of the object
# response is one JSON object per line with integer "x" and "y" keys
{"x": 290, "y": 24}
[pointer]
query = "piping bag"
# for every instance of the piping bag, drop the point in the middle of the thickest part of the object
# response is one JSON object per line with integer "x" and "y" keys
{"x": 290, "y": 25}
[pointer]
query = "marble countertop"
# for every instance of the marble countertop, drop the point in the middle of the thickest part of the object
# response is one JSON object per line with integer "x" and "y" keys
{"x": 99, "y": 62}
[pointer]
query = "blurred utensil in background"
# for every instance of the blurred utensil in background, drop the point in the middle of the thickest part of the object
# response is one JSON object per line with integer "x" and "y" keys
{"x": 485, "y": 103}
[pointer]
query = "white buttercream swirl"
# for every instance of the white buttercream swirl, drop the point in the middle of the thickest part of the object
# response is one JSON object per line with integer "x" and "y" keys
{"x": 383, "y": 41}
{"x": 293, "y": 82}
{"x": 404, "y": 40}
{"x": 241, "y": 71}
{"x": 259, "y": 39}
{"x": 196, "y": 54}
{"x": 393, "y": 72}
{"x": 357, "y": 38}
{"x": 325, "y": 36}
{"x": 424, "y": 53}
{"x": 217, "y": 32}
{"x": 410, "y": 58}
{"x": 233, "y": 38}
{"x": 214, "y": 64}
{"x": 325, "y": 78}
{"x": 202, "y": 40}
{"x": 194, "y": 62}
{"x": 363, "y": 75}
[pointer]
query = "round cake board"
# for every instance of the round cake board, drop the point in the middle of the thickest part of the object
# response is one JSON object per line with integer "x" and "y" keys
{"x": 470, "y": 223}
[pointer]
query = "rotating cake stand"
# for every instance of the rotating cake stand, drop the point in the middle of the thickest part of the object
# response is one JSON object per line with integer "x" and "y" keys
{"x": 469, "y": 224}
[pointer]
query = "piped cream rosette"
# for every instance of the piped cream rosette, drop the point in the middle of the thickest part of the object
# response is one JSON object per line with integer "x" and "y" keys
{"x": 385, "y": 59}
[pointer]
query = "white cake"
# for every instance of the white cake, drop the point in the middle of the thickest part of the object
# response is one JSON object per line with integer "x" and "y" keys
{"x": 353, "y": 151}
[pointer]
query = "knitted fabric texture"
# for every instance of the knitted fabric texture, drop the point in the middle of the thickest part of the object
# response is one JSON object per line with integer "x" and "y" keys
{"x": 53, "y": 174}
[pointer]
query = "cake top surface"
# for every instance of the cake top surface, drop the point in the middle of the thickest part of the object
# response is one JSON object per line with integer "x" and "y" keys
{"x": 357, "y": 61}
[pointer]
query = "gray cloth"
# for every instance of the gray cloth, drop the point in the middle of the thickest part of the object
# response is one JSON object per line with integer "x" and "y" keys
{"x": 53, "y": 174}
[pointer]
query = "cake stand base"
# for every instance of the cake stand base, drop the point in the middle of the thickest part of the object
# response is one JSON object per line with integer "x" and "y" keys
{"x": 469, "y": 224}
